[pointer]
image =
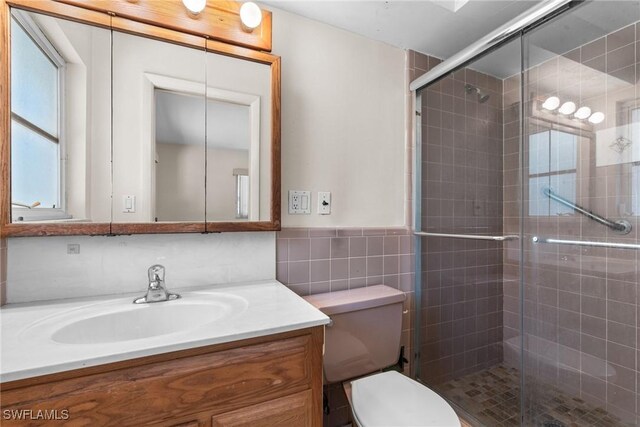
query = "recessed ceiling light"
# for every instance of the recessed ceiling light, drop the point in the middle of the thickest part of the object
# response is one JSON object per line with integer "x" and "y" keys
{"x": 582, "y": 113}
{"x": 567, "y": 108}
{"x": 596, "y": 117}
{"x": 551, "y": 103}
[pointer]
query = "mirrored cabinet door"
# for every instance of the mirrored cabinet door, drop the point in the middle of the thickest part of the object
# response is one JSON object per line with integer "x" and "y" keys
{"x": 60, "y": 120}
{"x": 158, "y": 131}
{"x": 239, "y": 146}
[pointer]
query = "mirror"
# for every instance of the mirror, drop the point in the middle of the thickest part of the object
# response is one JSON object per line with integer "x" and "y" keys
{"x": 158, "y": 131}
{"x": 60, "y": 120}
{"x": 138, "y": 129}
{"x": 238, "y": 139}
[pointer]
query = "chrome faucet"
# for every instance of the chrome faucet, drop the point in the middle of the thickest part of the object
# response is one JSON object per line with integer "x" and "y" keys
{"x": 157, "y": 290}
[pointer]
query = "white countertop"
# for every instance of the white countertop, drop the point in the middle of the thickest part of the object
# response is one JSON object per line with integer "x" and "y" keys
{"x": 27, "y": 349}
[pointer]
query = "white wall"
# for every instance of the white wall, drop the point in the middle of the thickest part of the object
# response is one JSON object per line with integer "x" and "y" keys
{"x": 40, "y": 268}
{"x": 180, "y": 192}
{"x": 343, "y": 123}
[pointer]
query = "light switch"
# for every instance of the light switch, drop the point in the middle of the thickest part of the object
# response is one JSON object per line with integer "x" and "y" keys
{"x": 128, "y": 204}
{"x": 299, "y": 202}
{"x": 324, "y": 202}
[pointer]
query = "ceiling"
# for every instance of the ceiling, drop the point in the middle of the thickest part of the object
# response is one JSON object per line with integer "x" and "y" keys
{"x": 432, "y": 27}
{"x": 429, "y": 27}
{"x": 179, "y": 120}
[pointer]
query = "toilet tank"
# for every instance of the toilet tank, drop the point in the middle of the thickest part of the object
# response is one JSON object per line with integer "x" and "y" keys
{"x": 364, "y": 333}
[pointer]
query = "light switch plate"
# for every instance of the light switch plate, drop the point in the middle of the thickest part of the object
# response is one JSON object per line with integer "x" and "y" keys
{"x": 299, "y": 202}
{"x": 324, "y": 202}
{"x": 128, "y": 204}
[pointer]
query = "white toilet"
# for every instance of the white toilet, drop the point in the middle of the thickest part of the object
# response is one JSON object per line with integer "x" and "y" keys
{"x": 364, "y": 337}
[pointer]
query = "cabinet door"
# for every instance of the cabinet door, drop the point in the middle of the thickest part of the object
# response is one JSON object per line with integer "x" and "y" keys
{"x": 292, "y": 411}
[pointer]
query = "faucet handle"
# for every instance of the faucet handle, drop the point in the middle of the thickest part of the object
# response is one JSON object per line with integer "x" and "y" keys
{"x": 156, "y": 273}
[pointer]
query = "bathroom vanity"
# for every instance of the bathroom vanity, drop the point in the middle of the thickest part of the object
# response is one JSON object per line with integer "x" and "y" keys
{"x": 259, "y": 363}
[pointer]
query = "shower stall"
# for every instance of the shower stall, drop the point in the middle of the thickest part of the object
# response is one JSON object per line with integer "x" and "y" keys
{"x": 526, "y": 217}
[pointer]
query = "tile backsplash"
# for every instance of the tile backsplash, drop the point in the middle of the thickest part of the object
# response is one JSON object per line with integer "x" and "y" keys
{"x": 41, "y": 269}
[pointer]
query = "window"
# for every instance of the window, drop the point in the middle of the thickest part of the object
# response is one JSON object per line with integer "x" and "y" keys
{"x": 36, "y": 144}
{"x": 552, "y": 164}
{"x": 242, "y": 193}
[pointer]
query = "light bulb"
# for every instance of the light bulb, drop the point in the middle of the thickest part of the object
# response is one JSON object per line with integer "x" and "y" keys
{"x": 250, "y": 15}
{"x": 582, "y": 113}
{"x": 551, "y": 103}
{"x": 567, "y": 108}
{"x": 596, "y": 117}
{"x": 195, "y": 6}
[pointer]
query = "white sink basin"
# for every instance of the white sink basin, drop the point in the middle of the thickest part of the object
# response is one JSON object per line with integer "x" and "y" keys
{"x": 120, "y": 320}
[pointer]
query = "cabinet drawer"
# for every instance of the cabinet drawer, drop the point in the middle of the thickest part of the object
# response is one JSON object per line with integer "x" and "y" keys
{"x": 216, "y": 382}
{"x": 290, "y": 411}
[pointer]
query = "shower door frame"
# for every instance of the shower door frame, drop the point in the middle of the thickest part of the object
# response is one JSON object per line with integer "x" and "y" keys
{"x": 514, "y": 29}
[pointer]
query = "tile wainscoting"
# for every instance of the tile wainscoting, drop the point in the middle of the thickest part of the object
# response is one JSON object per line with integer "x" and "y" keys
{"x": 315, "y": 260}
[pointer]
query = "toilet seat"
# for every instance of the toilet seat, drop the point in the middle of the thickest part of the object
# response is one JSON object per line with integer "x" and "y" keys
{"x": 390, "y": 399}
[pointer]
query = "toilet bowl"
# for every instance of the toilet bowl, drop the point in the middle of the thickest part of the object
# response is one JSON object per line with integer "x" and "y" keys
{"x": 362, "y": 339}
{"x": 391, "y": 399}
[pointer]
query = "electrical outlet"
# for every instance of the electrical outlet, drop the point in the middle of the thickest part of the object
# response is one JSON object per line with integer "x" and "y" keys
{"x": 324, "y": 202}
{"x": 299, "y": 202}
{"x": 73, "y": 249}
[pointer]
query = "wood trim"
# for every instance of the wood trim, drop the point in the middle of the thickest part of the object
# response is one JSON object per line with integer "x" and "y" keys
{"x": 5, "y": 121}
{"x": 317, "y": 346}
{"x": 157, "y": 227}
{"x": 57, "y": 229}
{"x": 315, "y": 332}
{"x": 241, "y": 52}
{"x": 276, "y": 135}
{"x": 66, "y": 11}
{"x": 158, "y": 33}
{"x": 219, "y": 21}
{"x": 93, "y": 12}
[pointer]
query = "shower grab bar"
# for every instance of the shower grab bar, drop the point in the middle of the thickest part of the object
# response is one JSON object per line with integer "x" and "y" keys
{"x": 466, "y": 236}
{"x": 537, "y": 239}
{"x": 621, "y": 226}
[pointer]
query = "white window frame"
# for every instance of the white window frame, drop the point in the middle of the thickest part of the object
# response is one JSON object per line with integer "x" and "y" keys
{"x": 24, "y": 214}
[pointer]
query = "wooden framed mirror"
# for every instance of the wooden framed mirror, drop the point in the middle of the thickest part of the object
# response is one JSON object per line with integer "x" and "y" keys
{"x": 139, "y": 128}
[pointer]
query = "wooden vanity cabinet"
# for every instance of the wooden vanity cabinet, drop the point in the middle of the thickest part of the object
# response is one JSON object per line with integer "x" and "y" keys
{"x": 267, "y": 381}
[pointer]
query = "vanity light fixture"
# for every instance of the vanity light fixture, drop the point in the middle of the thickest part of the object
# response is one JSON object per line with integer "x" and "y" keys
{"x": 195, "y": 6}
{"x": 551, "y": 103}
{"x": 596, "y": 118}
{"x": 567, "y": 108}
{"x": 250, "y": 15}
{"x": 582, "y": 113}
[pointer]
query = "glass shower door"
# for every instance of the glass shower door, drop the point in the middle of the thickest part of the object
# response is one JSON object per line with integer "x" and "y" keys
{"x": 468, "y": 200}
{"x": 581, "y": 193}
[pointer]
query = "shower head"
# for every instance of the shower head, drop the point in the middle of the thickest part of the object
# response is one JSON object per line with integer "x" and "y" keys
{"x": 482, "y": 97}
